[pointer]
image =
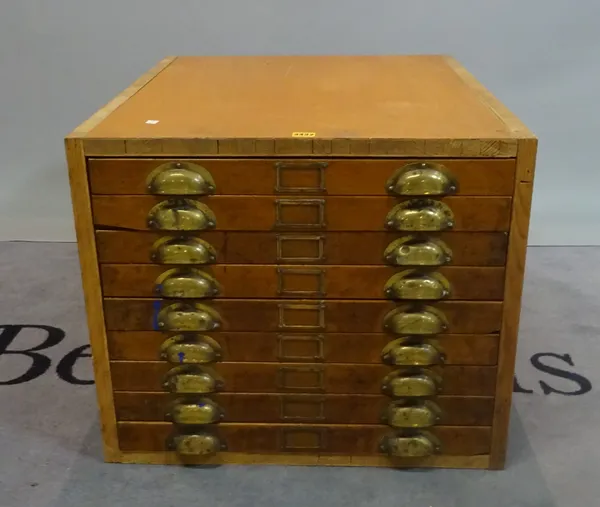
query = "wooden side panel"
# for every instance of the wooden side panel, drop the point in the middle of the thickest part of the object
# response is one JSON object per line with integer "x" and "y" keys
{"x": 305, "y": 408}
{"x": 513, "y": 290}
{"x": 353, "y": 348}
{"x": 333, "y": 248}
{"x": 310, "y": 282}
{"x": 92, "y": 292}
{"x": 290, "y": 377}
{"x": 265, "y": 213}
{"x": 472, "y": 317}
{"x": 307, "y": 176}
{"x": 270, "y": 438}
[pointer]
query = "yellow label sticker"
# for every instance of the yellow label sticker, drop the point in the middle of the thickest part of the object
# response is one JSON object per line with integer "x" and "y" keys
{"x": 304, "y": 134}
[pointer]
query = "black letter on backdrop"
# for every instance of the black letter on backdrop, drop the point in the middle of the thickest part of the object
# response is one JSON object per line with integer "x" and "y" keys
{"x": 41, "y": 363}
{"x": 584, "y": 384}
{"x": 64, "y": 369}
{"x": 518, "y": 389}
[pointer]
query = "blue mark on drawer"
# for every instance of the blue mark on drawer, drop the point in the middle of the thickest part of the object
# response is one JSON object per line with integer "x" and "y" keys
{"x": 155, "y": 310}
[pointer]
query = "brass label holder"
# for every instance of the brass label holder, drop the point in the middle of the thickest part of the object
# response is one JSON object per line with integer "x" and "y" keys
{"x": 284, "y": 168}
{"x": 287, "y": 239}
{"x": 317, "y": 275}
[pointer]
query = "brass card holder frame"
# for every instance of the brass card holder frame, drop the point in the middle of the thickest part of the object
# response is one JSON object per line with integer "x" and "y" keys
{"x": 319, "y": 308}
{"x": 320, "y": 435}
{"x": 317, "y": 272}
{"x": 287, "y": 400}
{"x": 283, "y": 383}
{"x": 318, "y": 203}
{"x": 283, "y": 339}
{"x": 280, "y": 167}
{"x": 281, "y": 238}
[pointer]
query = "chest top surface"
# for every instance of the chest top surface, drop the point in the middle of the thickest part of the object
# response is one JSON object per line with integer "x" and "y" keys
{"x": 363, "y": 97}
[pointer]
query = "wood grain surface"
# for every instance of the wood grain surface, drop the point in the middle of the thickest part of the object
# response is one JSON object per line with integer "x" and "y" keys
{"x": 303, "y": 459}
{"x": 93, "y": 121}
{"x": 273, "y": 176}
{"x": 441, "y": 104}
{"x": 514, "y": 125}
{"x": 259, "y": 213}
{"x": 337, "y": 248}
{"x": 513, "y": 291}
{"x": 471, "y": 317}
{"x": 354, "y": 348}
{"x": 304, "y": 408}
{"x": 339, "y": 282}
{"x": 92, "y": 293}
{"x": 290, "y": 377}
{"x": 334, "y": 439}
{"x": 301, "y": 355}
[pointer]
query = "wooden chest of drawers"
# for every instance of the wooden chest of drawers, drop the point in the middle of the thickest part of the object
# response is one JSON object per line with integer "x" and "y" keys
{"x": 303, "y": 260}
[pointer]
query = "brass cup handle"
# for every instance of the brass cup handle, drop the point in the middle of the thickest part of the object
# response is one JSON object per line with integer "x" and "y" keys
{"x": 194, "y": 349}
{"x": 180, "y": 178}
{"x": 414, "y": 285}
{"x": 413, "y": 251}
{"x": 406, "y": 445}
{"x": 407, "y": 320}
{"x": 192, "y": 379}
{"x": 187, "y": 250}
{"x": 419, "y": 383}
{"x": 420, "y": 215}
{"x": 194, "y": 412}
{"x": 188, "y": 317}
{"x": 421, "y": 179}
{"x": 410, "y": 414}
{"x": 186, "y": 283}
{"x": 407, "y": 351}
{"x": 196, "y": 444}
{"x": 181, "y": 215}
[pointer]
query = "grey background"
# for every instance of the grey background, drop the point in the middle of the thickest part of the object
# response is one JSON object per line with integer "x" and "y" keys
{"x": 62, "y": 60}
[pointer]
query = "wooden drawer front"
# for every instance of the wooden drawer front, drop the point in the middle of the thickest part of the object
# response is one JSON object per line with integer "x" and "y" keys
{"x": 354, "y": 348}
{"x": 255, "y": 281}
{"x": 268, "y": 176}
{"x": 305, "y": 408}
{"x": 284, "y": 438}
{"x": 303, "y": 378}
{"x": 341, "y": 248}
{"x": 301, "y": 316}
{"x": 265, "y": 213}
